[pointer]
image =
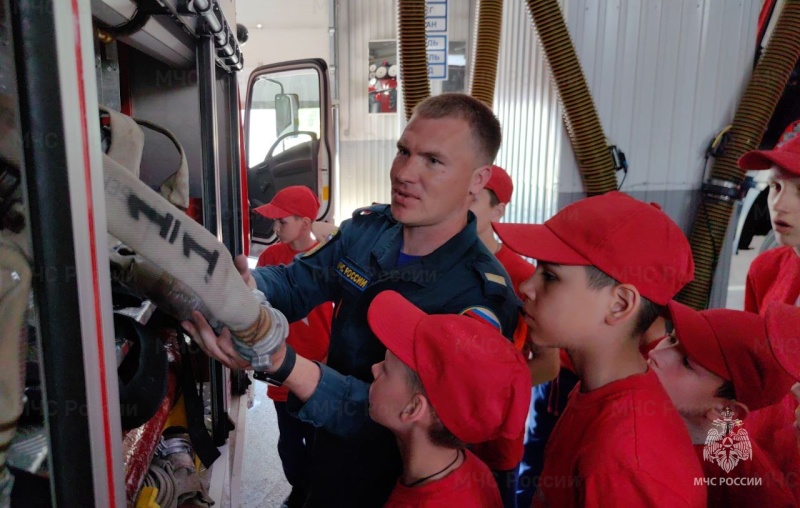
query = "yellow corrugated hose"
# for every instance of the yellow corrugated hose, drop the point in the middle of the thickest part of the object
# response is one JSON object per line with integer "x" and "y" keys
{"x": 583, "y": 124}
{"x": 413, "y": 58}
{"x": 483, "y": 72}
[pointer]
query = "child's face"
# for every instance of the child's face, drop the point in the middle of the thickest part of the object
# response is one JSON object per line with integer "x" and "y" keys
{"x": 288, "y": 229}
{"x": 484, "y": 212}
{"x": 784, "y": 207}
{"x": 559, "y": 308}
{"x": 691, "y": 387}
{"x": 390, "y": 392}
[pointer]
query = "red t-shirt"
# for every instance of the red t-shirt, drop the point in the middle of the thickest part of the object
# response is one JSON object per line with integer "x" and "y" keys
{"x": 623, "y": 444}
{"x": 723, "y": 493}
{"x": 503, "y": 454}
{"x": 309, "y": 336}
{"x": 470, "y": 486}
{"x": 518, "y": 269}
{"x": 772, "y": 428}
{"x": 774, "y": 276}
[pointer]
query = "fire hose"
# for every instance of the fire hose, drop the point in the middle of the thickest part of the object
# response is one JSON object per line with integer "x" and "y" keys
{"x": 15, "y": 284}
{"x": 178, "y": 246}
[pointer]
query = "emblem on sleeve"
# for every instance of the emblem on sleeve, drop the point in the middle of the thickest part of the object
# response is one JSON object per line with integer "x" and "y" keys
{"x": 484, "y": 315}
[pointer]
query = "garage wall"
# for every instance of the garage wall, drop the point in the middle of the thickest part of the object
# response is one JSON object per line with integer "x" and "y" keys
{"x": 666, "y": 75}
{"x": 368, "y": 141}
{"x": 527, "y": 106}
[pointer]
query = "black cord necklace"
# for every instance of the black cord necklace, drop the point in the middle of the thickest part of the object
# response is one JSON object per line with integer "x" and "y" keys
{"x": 448, "y": 466}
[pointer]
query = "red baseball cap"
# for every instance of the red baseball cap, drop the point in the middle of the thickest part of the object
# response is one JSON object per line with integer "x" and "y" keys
{"x": 295, "y": 200}
{"x": 476, "y": 380}
{"x": 785, "y": 155}
{"x": 759, "y": 355}
{"x": 627, "y": 239}
{"x": 500, "y": 183}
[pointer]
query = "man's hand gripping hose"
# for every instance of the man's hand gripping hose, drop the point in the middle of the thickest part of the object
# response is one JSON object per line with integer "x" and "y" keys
{"x": 257, "y": 347}
{"x": 194, "y": 258}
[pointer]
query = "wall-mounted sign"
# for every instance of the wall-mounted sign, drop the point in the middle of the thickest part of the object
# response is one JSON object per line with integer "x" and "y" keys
{"x": 436, "y": 38}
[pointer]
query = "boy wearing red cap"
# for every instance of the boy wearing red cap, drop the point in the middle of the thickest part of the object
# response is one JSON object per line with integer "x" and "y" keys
{"x": 503, "y": 456}
{"x": 774, "y": 276}
{"x": 607, "y": 266}
{"x": 446, "y": 380}
{"x": 489, "y": 205}
{"x": 293, "y": 210}
{"x": 717, "y": 365}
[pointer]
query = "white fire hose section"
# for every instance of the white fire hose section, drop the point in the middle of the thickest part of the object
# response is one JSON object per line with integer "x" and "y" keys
{"x": 185, "y": 251}
{"x": 15, "y": 286}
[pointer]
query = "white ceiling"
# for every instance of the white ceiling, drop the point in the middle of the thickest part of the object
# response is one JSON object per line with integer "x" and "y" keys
{"x": 291, "y": 29}
{"x": 282, "y": 13}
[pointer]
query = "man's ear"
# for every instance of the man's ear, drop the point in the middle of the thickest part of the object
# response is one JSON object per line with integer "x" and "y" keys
{"x": 498, "y": 211}
{"x": 625, "y": 302}
{"x": 480, "y": 177}
{"x": 416, "y": 410}
{"x": 740, "y": 410}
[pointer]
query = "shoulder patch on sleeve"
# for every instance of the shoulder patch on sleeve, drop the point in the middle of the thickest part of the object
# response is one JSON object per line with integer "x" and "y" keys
{"x": 494, "y": 277}
{"x": 334, "y": 235}
{"x": 484, "y": 314}
{"x": 375, "y": 209}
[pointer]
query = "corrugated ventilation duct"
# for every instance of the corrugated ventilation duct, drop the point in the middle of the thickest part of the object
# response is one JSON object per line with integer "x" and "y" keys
{"x": 487, "y": 46}
{"x": 413, "y": 58}
{"x": 583, "y": 124}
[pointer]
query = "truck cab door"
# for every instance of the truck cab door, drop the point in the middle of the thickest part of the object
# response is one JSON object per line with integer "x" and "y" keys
{"x": 288, "y": 136}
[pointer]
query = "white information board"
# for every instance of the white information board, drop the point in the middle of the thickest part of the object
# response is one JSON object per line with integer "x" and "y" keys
{"x": 436, "y": 38}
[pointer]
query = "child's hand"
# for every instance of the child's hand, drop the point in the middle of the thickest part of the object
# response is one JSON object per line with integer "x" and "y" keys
{"x": 796, "y": 393}
{"x": 241, "y": 264}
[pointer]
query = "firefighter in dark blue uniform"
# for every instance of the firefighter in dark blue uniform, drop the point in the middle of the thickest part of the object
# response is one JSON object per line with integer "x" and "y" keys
{"x": 356, "y": 462}
{"x": 424, "y": 246}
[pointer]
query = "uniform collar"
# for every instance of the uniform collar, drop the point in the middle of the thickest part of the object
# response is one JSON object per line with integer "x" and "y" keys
{"x": 387, "y": 249}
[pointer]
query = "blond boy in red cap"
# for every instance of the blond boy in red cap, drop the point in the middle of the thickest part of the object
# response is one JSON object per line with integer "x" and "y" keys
{"x": 717, "y": 365}
{"x": 774, "y": 276}
{"x": 447, "y": 380}
{"x": 294, "y": 210}
{"x": 607, "y": 267}
{"x": 503, "y": 456}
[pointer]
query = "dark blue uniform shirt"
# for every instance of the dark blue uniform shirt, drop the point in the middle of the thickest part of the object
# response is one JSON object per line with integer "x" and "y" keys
{"x": 355, "y": 461}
